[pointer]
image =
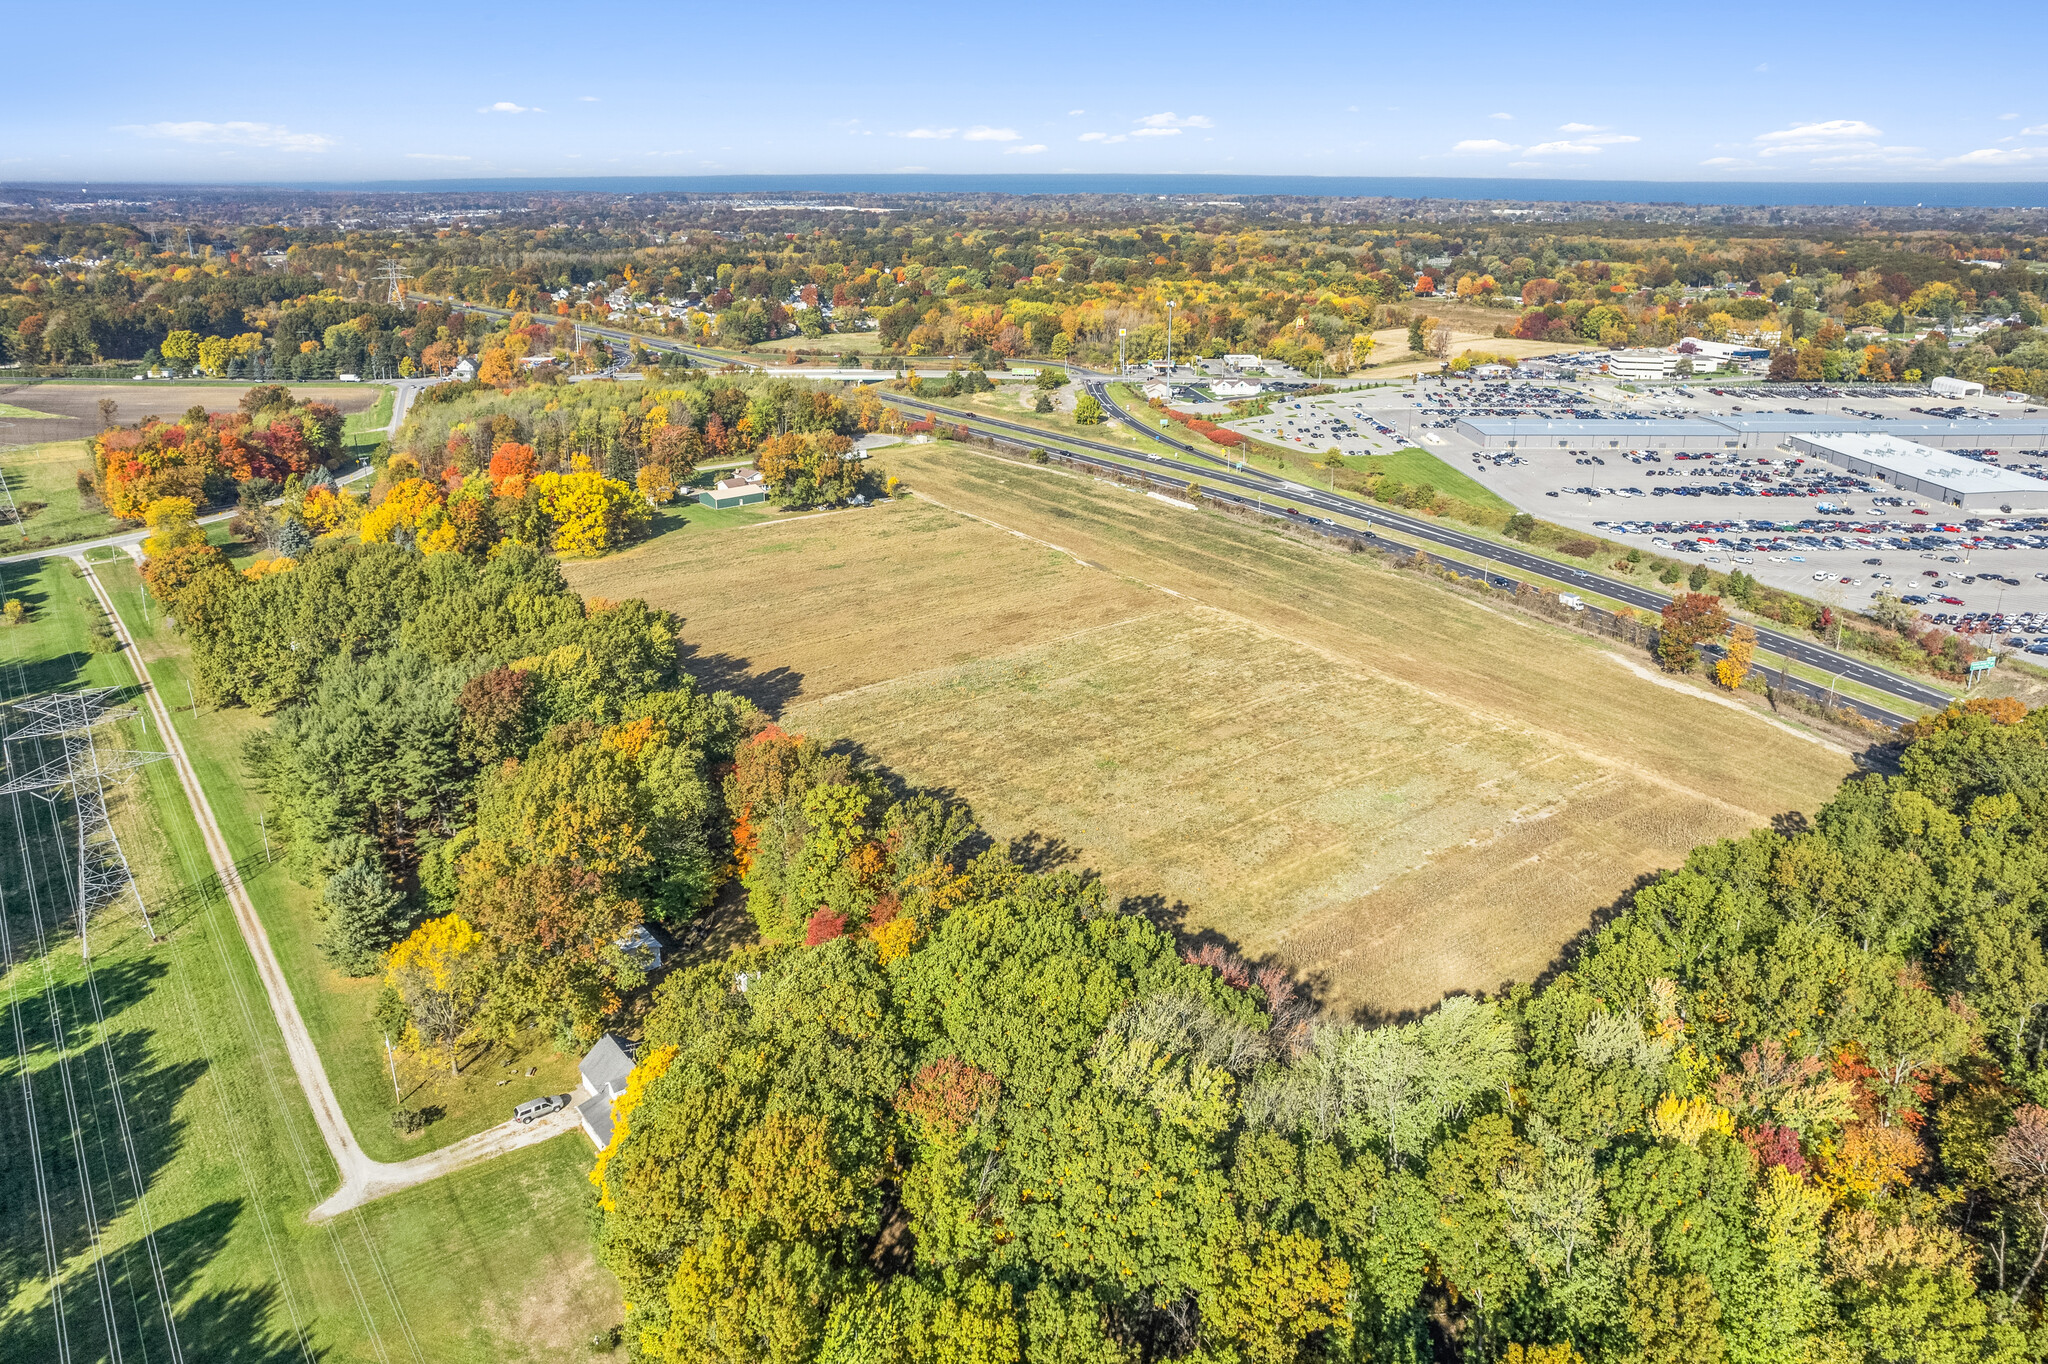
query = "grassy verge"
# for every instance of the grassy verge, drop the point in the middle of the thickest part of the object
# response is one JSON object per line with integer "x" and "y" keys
{"x": 48, "y": 475}
{"x": 338, "y": 1009}
{"x": 493, "y": 1263}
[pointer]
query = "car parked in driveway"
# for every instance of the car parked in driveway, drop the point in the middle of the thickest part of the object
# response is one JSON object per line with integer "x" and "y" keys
{"x": 540, "y": 1108}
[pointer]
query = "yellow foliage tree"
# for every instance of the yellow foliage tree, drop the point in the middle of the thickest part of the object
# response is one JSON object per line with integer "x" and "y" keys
{"x": 590, "y": 513}
{"x": 656, "y": 485}
{"x": 173, "y": 524}
{"x": 438, "y": 972}
{"x": 650, "y": 1068}
{"x": 1741, "y": 654}
{"x": 414, "y": 506}
{"x": 1687, "y": 1120}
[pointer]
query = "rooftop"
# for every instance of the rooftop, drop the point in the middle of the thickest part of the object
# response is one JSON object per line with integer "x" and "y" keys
{"x": 1927, "y": 465}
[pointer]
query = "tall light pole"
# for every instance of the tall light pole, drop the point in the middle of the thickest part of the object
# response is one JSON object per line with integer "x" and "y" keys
{"x": 1170, "y": 306}
{"x": 1121, "y": 370}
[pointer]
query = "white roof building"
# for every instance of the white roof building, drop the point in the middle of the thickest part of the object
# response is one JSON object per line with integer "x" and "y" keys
{"x": 1923, "y": 471}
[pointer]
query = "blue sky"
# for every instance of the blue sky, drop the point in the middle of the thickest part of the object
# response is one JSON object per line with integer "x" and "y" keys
{"x": 1738, "y": 92}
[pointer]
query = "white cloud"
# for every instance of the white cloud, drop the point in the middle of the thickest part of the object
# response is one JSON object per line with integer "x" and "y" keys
{"x": 506, "y": 106}
{"x": 1155, "y": 132}
{"x": 1610, "y": 139}
{"x": 2003, "y": 117}
{"x": 981, "y": 133}
{"x": 1173, "y": 120}
{"x": 2038, "y": 130}
{"x": 1032, "y": 150}
{"x": 1564, "y": 149}
{"x": 1101, "y": 137}
{"x": 1578, "y": 127}
{"x": 1505, "y": 118}
{"x": 1724, "y": 161}
{"x": 435, "y": 156}
{"x": 1999, "y": 156}
{"x": 1833, "y": 135}
{"x": 1762, "y": 66}
{"x": 1482, "y": 146}
{"x": 269, "y": 136}
{"x": 931, "y": 133}
{"x": 1075, "y": 113}
{"x": 586, "y": 99}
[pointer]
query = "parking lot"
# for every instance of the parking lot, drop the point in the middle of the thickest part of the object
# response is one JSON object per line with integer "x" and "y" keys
{"x": 1803, "y": 525}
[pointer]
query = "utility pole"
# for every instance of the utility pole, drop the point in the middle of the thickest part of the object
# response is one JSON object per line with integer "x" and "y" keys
{"x": 392, "y": 1057}
{"x": 1170, "y": 306}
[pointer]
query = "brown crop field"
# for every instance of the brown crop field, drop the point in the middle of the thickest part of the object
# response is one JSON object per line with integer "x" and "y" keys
{"x": 73, "y": 408}
{"x": 1391, "y": 787}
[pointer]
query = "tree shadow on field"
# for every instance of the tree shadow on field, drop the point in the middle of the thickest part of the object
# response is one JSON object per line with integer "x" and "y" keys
{"x": 1568, "y": 955}
{"x": 771, "y": 690}
{"x": 1034, "y": 852}
{"x": 1311, "y": 988}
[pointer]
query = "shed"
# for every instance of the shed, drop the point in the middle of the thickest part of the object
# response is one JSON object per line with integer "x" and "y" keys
{"x": 642, "y": 946}
{"x": 741, "y": 488}
{"x": 605, "y": 1070}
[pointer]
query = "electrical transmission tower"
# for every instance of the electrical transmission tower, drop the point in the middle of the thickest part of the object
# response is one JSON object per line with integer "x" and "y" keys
{"x": 10, "y": 515}
{"x": 99, "y": 873}
{"x": 391, "y": 275}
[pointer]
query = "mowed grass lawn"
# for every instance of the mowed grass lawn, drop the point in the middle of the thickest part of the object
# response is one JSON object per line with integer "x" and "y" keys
{"x": 47, "y": 474}
{"x": 1384, "y": 784}
{"x": 491, "y": 1264}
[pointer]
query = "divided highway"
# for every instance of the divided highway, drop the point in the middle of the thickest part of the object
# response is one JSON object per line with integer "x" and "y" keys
{"x": 1261, "y": 486}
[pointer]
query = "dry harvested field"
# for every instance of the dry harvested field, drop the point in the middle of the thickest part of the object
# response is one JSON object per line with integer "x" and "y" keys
{"x": 75, "y": 408}
{"x": 1388, "y": 786}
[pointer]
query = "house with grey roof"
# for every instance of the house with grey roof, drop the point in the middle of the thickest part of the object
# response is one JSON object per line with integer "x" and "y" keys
{"x": 605, "y": 1071}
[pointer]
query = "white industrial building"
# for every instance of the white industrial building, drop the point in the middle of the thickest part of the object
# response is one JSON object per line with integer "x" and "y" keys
{"x": 1746, "y": 431}
{"x": 1642, "y": 364}
{"x": 1935, "y": 475}
{"x": 1956, "y": 388}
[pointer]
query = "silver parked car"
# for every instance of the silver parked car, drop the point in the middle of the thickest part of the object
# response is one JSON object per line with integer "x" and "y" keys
{"x": 540, "y": 1108}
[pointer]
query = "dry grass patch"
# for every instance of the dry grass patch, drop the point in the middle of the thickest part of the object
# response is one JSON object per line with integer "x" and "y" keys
{"x": 1382, "y": 783}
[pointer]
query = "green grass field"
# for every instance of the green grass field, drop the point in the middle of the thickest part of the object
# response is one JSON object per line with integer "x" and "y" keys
{"x": 1414, "y": 466}
{"x": 48, "y": 474}
{"x": 491, "y": 1264}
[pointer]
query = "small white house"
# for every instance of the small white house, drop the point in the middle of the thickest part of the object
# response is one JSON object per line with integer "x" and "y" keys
{"x": 1234, "y": 388}
{"x": 465, "y": 370}
{"x": 1157, "y": 389}
{"x": 605, "y": 1071}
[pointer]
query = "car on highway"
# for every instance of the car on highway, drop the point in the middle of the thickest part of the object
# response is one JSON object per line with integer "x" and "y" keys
{"x": 534, "y": 1109}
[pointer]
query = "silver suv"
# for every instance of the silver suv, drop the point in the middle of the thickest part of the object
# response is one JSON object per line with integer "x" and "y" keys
{"x": 540, "y": 1108}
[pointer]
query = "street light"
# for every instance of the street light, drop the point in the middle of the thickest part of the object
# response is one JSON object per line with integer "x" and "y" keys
{"x": 1170, "y": 306}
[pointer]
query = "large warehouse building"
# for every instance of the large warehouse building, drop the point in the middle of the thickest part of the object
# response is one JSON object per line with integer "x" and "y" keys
{"x": 1934, "y": 475}
{"x": 1761, "y": 431}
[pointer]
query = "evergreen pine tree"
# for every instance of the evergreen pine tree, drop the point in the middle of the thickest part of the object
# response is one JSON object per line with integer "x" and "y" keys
{"x": 363, "y": 913}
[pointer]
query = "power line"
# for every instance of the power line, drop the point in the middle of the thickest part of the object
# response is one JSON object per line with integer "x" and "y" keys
{"x": 102, "y": 867}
